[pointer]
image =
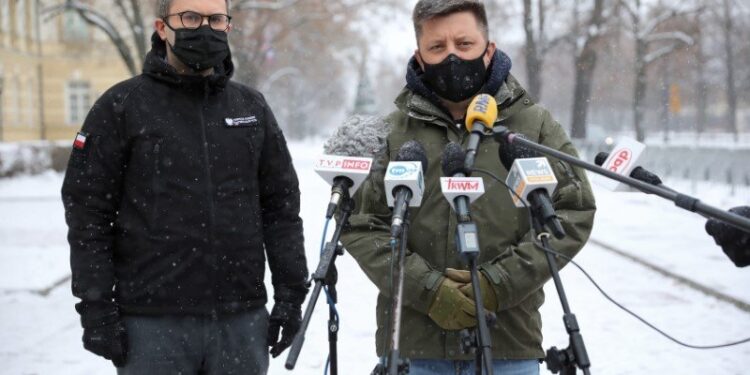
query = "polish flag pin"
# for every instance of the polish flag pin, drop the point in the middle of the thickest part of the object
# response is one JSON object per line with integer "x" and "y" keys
{"x": 80, "y": 141}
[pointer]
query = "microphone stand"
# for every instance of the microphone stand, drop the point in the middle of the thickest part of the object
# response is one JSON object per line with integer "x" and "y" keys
{"x": 466, "y": 231}
{"x": 394, "y": 365}
{"x": 566, "y": 360}
{"x": 503, "y": 134}
{"x": 325, "y": 275}
{"x": 480, "y": 337}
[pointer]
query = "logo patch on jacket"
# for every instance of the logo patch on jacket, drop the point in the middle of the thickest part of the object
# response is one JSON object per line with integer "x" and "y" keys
{"x": 80, "y": 142}
{"x": 241, "y": 121}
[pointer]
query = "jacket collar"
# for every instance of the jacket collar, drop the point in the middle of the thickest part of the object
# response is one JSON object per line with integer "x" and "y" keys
{"x": 417, "y": 101}
{"x": 156, "y": 67}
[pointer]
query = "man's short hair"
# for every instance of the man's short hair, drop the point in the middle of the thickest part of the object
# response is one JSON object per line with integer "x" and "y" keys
{"x": 426, "y": 10}
{"x": 162, "y": 7}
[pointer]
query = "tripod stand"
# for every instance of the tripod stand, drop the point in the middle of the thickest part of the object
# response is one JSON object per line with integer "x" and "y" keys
{"x": 325, "y": 276}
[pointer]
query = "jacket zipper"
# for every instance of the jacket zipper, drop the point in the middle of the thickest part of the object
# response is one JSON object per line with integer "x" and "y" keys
{"x": 155, "y": 184}
{"x": 210, "y": 188}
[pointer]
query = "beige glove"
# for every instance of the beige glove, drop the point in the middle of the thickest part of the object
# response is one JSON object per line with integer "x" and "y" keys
{"x": 464, "y": 277}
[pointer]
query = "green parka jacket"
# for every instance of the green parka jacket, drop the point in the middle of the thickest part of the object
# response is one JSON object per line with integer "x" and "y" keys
{"x": 515, "y": 267}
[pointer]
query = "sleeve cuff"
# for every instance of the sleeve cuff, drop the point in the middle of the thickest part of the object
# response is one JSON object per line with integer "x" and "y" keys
{"x": 500, "y": 281}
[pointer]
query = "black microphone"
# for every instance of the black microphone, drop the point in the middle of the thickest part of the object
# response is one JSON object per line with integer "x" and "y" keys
{"x": 734, "y": 242}
{"x": 406, "y": 182}
{"x": 453, "y": 165}
{"x": 539, "y": 198}
{"x": 453, "y": 161}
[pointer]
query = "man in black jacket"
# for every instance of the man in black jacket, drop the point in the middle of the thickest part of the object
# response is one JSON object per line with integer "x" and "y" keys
{"x": 179, "y": 185}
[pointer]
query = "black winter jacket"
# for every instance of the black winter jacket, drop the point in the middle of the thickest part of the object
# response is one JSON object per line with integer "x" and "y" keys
{"x": 180, "y": 186}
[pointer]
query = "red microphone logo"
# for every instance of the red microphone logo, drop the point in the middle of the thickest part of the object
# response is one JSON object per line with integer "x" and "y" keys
{"x": 621, "y": 161}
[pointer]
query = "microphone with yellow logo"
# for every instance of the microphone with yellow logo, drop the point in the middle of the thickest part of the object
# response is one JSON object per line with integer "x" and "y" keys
{"x": 480, "y": 118}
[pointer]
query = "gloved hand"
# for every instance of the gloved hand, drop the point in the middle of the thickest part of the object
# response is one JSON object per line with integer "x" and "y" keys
{"x": 734, "y": 242}
{"x": 451, "y": 309}
{"x": 107, "y": 340}
{"x": 284, "y": 315}
{"x": 104, "y": 333}
{"x": 489, "y": 300}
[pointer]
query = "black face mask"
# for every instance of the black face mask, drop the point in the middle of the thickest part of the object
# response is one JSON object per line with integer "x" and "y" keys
{"x": 202, "y": 48}
{"x": 455, "y": 79}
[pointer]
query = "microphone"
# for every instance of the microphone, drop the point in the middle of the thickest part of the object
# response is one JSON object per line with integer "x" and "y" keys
{"x": 623, "y": 161}
{"x": 480, "y": 117}
{"x": 404, "y": 179}
{"x": 734, "y": 242}
{"x": 461, "y": 191}
{"x": 531, "y": 178}
{"x": 638, "y": 173}
{"x": 344, "y": 173}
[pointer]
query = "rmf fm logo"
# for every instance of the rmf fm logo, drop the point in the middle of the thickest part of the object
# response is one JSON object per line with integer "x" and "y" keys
{"x": 482, "y": 104}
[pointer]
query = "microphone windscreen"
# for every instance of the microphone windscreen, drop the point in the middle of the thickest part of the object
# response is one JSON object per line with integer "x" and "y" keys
{"x": 509, "y": 152}
{"x": 361, "y": 136}
{"x": 453, "y": 159}
{"x": 601, "y": 158}
{"x": 413, "y": 151}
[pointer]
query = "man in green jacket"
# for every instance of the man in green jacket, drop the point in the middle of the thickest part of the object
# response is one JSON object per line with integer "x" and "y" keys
{"x": 454, "y": 62}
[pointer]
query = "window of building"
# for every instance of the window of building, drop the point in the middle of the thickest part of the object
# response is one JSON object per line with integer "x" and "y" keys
{"x": 14, "y": 102}
{"x": 75, "y": 28}
{"x": 78, "y": 94}
{"x": 4, "y": 19}
{"x": 2, "y": 100}
{"x": 30, "y": 105}
{"x": 21, "y": 18}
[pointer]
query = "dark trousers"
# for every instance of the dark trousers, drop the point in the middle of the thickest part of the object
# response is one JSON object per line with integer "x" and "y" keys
{"x": 197, "y": 345}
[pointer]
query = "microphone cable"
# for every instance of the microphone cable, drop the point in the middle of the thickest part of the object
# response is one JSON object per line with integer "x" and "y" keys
{"x": 541, "y": 247}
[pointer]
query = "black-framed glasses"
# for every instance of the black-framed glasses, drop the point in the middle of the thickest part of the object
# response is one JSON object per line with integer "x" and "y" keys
{"x": 193, "y": 20}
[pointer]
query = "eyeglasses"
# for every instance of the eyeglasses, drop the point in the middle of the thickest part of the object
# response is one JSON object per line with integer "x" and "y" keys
{"x": 193, "y": 20}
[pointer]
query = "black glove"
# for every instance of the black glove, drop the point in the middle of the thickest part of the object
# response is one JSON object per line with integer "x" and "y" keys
{"x": 734, "y": 242}
{"x": 104, "y": 333}
{"x": 284, "y": 315}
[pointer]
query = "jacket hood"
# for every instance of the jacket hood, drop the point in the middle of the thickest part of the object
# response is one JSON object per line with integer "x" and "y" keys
{"x": 156, "y": 67}
{"x": 497, "y": 73}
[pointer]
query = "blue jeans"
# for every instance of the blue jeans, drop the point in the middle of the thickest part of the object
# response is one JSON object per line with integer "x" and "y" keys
{"x": 445, "y": 367}
{"x": 192, "y": 345}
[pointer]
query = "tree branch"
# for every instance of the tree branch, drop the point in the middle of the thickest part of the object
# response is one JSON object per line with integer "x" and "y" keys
{"x": 100, "y": 21}
{"x": 262, "y": 4}
{"x": 670, "y": 36}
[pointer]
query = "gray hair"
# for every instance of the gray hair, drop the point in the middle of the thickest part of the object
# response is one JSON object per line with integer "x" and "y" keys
{"x": 426, "y": 10}
{"x": 162, "y": 7}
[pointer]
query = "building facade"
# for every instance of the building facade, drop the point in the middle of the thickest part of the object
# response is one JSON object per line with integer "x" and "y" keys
{"x": 53, "y": 66}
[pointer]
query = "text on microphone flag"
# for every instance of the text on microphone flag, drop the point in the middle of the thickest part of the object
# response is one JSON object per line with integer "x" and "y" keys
{"x": 455, "y": 184}
{"x": 621, "y": 160}
{"x": 344, "y": 163}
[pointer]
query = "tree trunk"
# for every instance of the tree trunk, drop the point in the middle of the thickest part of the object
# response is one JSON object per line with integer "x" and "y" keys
{"x": 665, "y": 89}
{"x": 585, "y": 65}
{"x": 533, "y": 62}
{"x": 701, "y": 87}
{"x": 639, "y": 96}
{"x": 731, "y": 88}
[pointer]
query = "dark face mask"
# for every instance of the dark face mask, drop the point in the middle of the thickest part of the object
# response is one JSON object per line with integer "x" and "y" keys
{"x": 202, "y": 48}
{"x": 455, "y": 79}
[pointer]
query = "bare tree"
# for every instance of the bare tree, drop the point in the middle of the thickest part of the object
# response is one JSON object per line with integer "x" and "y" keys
{"x": 728, "y": 28}
{"x": 701, "y": 81}
{"x": 132, "y": 44}
{"x": 644, "y": 30}
{"x": 534, "y": 45}
{"x": 131, "y": 51}
{"x": 585, "y": 38}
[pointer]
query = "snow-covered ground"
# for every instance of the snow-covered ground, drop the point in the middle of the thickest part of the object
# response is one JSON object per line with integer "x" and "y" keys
{"x": 41, "y": 333}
